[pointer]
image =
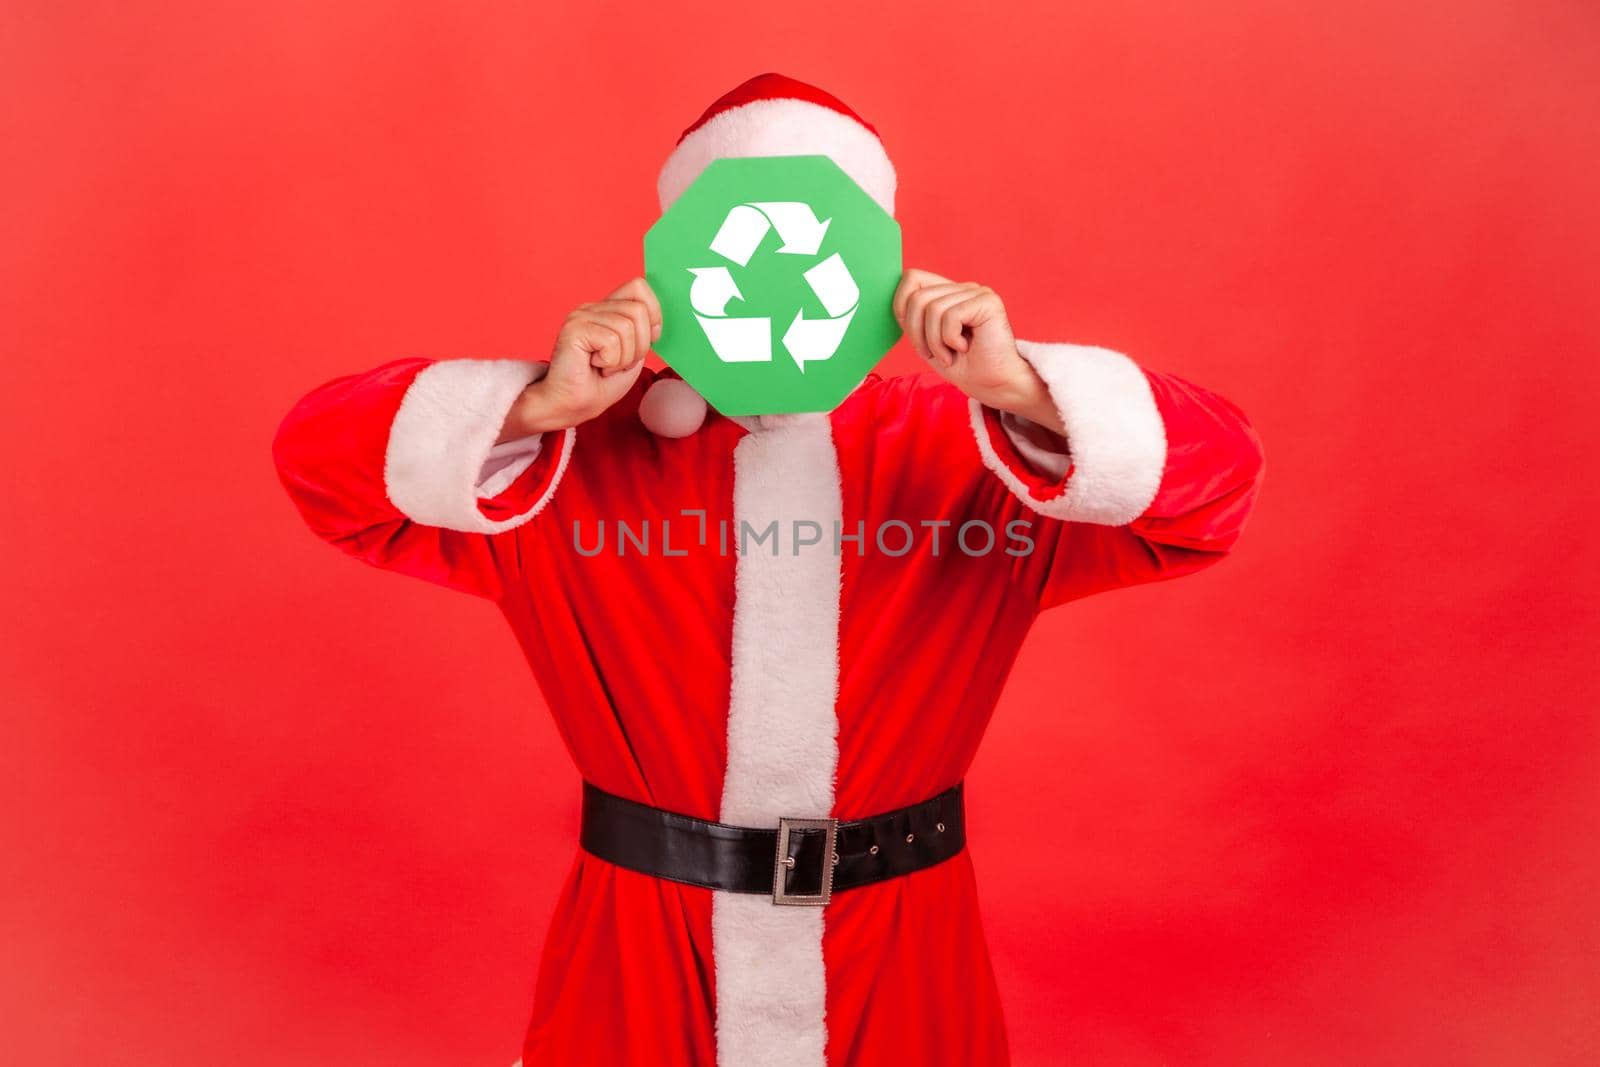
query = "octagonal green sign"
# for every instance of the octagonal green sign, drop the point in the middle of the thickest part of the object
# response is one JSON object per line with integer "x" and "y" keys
{"x": 776, "y": 276}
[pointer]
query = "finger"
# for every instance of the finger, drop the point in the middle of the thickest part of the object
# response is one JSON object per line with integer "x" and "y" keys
{"x": 638, "y": 316}
{"x": 915, "y": 324}
{"x": 958, "y": 314}
{"x": 910, "y": 282}
{"x": 602, "y": 343}
{"x": 932, "y": 324}
{"x": 618, "y": 324}
{"x": 644, "y": 331}
{"x": 911, "y": 322}
{"x": 639, "y": 289}
{"x": 624, "y": 327}
{"x": 981, "y": 308}
{"x": 939, "y": 324}
{"x": 927, "y": 292}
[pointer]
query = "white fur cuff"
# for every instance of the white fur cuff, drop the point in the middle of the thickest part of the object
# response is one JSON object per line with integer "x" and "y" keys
{"x": 1117, "y": 440}
{"x": 442, "y": 441}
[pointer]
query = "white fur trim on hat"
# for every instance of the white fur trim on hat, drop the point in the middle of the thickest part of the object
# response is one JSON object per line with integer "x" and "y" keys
{"x": 1115, "y": 435}
{"x": 444, "y": 434}
{"x": 782, "y": 128}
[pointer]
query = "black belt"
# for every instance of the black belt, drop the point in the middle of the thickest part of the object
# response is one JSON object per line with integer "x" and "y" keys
{"x": 786, "y": 861}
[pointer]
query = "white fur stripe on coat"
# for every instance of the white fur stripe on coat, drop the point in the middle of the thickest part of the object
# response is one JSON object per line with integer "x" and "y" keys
{"x": 783, "y": 747}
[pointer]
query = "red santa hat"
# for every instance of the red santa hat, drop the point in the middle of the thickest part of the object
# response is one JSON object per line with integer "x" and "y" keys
{"x": 768, "y": 115}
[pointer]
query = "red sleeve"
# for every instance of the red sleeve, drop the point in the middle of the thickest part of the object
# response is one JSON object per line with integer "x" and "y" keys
{"x": 398, "y": 467}
{"x": 1155, "y": 480}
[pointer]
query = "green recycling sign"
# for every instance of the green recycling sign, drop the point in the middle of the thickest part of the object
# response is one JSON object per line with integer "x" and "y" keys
{"x": 775, "y": 276}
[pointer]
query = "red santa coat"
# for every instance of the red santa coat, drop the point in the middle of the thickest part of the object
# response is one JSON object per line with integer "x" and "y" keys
{"x": 777, "y": 677}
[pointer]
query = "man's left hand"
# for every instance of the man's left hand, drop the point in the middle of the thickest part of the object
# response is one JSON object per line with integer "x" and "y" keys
{"x": 960, "y": 330}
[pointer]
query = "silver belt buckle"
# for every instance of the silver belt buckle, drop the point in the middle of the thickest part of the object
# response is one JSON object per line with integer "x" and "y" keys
{"x": 783, "y": 862}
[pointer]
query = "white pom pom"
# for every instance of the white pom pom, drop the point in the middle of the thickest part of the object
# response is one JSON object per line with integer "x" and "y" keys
{"x": 671, "y": 408}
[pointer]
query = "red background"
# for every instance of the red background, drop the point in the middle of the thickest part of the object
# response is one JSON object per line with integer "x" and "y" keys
{"x": 1335, "y": 801}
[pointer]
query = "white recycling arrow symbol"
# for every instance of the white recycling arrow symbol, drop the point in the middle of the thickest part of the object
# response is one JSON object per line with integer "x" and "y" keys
{"x": 749, "y": 340}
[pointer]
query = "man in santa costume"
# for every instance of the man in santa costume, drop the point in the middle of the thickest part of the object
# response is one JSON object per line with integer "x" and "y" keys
{"x": 772, "y": 727}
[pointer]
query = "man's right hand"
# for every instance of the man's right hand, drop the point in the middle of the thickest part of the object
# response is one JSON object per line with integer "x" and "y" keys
{"x": 598, "y": 356}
